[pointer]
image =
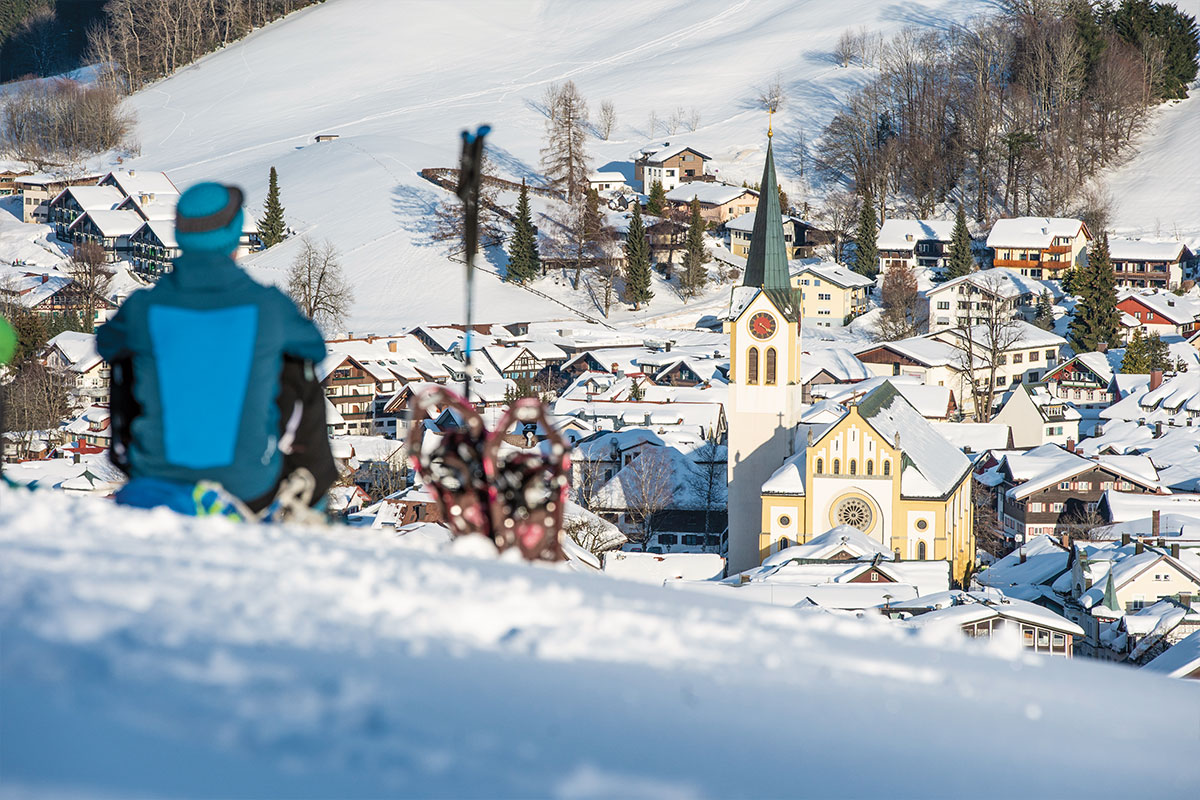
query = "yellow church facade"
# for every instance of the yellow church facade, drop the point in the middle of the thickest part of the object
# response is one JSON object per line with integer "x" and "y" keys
{"x": 880, "y": 468}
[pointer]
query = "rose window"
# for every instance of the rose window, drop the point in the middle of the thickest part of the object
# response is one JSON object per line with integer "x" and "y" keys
{"x": 854, "y": 512}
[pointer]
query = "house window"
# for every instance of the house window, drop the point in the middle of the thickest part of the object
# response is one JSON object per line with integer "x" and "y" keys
{"x": 1018, "y": 358}
{"x": 874, "y": 576}
{"x": 820, "y": 466}
{"x": 1057, "y": 507}
{"x": 770, "y": 381}
{"x": 1034, "y": 355}
{"x": 752, "y": 365}
{"x": 921, "y": 551}
{"x": 943, "y": 305}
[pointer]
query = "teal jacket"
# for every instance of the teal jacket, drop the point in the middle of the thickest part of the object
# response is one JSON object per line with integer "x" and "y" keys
{"x": 206, "y": 347}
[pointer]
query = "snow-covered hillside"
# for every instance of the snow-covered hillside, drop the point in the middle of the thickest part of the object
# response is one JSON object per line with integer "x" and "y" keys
{"x": 398, "y": 81}
{"x": 143, "y": 655}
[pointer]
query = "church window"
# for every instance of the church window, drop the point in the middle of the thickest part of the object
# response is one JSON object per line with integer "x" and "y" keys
{"x": 784, "y": 543}
{"x": 785, "y": 520}
{"x": 855, "y": 512}
{"x": 752, "y": 365}
{"x": 820, "y": 465}
{"x": 922, "y": 524}
{"x": 853, "y": 467}
{"x": 870, "y": 467}
{"x": 921, "y": 551}
{"x": 770, "y": 378}
{"x": 887, "y": 468}
{"x": 837, "y": 466}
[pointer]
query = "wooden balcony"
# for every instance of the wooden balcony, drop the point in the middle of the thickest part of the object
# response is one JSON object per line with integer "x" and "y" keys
{"x": 1020, "y": 263}
{"x": 1057, "y": 249}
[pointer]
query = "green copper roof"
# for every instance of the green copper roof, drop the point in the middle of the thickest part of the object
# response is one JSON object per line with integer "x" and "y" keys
{"x": 767, "y": 263}
{"x": 1110, "y": 595}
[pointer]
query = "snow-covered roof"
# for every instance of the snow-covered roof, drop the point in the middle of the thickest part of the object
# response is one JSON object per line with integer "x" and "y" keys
{"x": 1177, "y": 308}
{"x": 999, "y": 281}
{"x": 923, "y": 350}
{"x": 745, "y": 222}
{"x": 1032, "y": 231}
{"x": 94, "y": 198}
{"x": 978, "y": 437}
{"x": 164, "y": 230}
{"x": 667, "y": 152}
{"x": 1048, "y": 464}
{"x": 78, "y": 348}
{"x": 1179, "y": 660}
{"x": 714, "y": 194}
{"x": 903, "y": 234}
{"x": 842, "y": 538}
{"x": 838, "y": 362}
{"x": 1018, "y": 334}
{"x": 1120, "y": 249}
{"x": 975, "y": 607}
{"x": 137, "y": 182}
{"x": 606, "y": 177}
{"x": 657, "y": 568}
{"x": 1038, "y": 561}
{"x": 834, "y": 273}
{"x": 111, "y": 223}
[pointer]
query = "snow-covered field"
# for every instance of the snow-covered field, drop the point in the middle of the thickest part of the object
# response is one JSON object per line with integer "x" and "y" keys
{"x": 398, "y": 81}
{"x": 145, "y": 655}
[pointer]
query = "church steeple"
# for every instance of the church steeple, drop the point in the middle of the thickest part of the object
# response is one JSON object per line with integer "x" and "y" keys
{"x": 767, "y": 262}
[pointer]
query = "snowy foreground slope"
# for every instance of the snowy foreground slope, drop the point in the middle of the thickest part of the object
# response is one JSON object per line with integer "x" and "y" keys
{"x": 398, "y": 81}
{"x": 146, "y": 655}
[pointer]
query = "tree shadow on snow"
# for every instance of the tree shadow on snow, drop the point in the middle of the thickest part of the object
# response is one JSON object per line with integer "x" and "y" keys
{"x": 414, "y": 209}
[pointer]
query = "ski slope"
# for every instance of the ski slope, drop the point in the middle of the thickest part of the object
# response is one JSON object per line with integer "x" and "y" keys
{"x": 398, "y": 81}
{"x": 149, "y": 655}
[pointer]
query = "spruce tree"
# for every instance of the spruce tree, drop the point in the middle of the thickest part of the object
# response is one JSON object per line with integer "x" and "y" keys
{"x": 1096, "y": 317}
{"x": 1146, "y": 353}
{"x": 961, "y": 261}
{"x": 695, "y": 254}
{"x": 524, "y": 263}
{"x": 1044, "y": 316}
{"x": 657, "y": 200}
{"x": 637, "y": 262}
{"x": 866, "y": 258}
{"x": 271, "y": 228}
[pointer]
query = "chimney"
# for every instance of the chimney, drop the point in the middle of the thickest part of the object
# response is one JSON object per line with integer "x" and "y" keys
{"x": 1185, "y": 599}
{"x": 1070, "y": 445}
{"x": 1022, "y": 555}
{"x": 615, "y": 368}
{"x": 1139, "y": 548}
{"x": 1156, "y": 524}
{"x": 1102, "y": 347}
{"x": 1174, "y": 549}
{"x": 1065, "y": 541}
{"x": 1155, "y": 379}
{"x": 75, "y": 459}
{"x": 1125, "y": 539}
{"x": 1158, "y": 430}
{"x": 668, "y": 348}
{"x": 392, "y": 346}
{"x": 132, "y": 173}
{"x": 45, "y": 278}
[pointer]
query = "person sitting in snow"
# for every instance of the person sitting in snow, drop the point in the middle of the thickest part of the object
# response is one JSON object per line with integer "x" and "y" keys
{"x": 212, "y": 376}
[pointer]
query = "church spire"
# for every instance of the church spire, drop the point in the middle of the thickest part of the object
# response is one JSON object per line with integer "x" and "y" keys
{"x": 767, "y": 262}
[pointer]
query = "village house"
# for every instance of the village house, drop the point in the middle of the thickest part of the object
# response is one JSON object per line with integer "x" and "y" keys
{"x": 1039, "y": 247}
{"x": 669, "y": 165}
{"x": 1027, "y": 351}
{"x": 1036, "y": 418}
{"x": 830, "y": 295}
{"x": 1173, "y": 401}
{"x": 73, "y": 355}
{"x": 972, "y": 299}
{"x": 74, "y": 201}
{"x": 800, "y": 237}
{"x": 1140, "y": 264}
{"x": 109, "y": 229}
{"x": 8, "y": 177}
{"x": 350, "y": 387}
{"x": 1181, "y": 660}
{"x": 48, "y": 294}
{"x": 152, "y": 248}
{"x": 1052, "y": 490}
{"x": 607, "y": 183}
{"x": 38, "y": 190}
{"x": 916, "y": 243}
{"x": 719, "y": 202}
{"x": 1161, "y": 311}
{"x": 138, "y": 183}
{"x": 1085, "y": 381}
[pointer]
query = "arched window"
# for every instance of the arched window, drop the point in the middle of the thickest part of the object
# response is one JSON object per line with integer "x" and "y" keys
{"x": 820, "y": 465}
{"x": 887, "y": 468}
{"x": 837, "y": 466}
{"x": 784, "y": 543}
{"x": 770, "y": 381}
{"x": 921, "y": 551}
{"x": 752, "y": 365}
{"x": 870, "y": 467}
{"x": 853, "y": 467}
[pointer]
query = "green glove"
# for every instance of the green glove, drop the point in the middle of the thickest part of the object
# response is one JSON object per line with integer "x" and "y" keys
{"x": 8, "y": 341}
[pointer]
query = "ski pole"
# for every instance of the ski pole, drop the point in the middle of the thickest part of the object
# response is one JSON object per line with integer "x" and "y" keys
{"x": 470, "y": 176}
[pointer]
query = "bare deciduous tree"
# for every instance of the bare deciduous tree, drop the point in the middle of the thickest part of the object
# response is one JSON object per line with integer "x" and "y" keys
{"x": 652, "y": 123}
{"x": 606, "y": 119}
{"x": 564, "y": 158}
{"x": 35, "y": 402}
{"x": 846, "y": 48}
{"x": 693, "y": 119}
{"x": 316, "y": 283}
{"x": 707, "y": 480}
{"x": 839, "y": 213}
{"x": 772, "y": 96}
{"x": 593, "y": 534}
{"x": 90, "y": 270}
{"x": 905, "y": 311}
{"x": 54, "y": 121}
{"x": 648, "y": 486}
{"x": 983, "y": 341}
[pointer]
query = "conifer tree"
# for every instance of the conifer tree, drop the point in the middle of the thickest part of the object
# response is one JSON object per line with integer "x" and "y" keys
{"x": 961, "y": 261}
{"x": 657, "y": 200}
{"x": 1044, "y": 316}
{"x": 866, "y": 241}
{"x": 524, "y": 263}
{"x": 1146, "y": 353}
{"x": 1096, "y": 317}
{"x": 695, "y": 254}
{"x": 637, "y": 262}
{"x": 271, "y": 229}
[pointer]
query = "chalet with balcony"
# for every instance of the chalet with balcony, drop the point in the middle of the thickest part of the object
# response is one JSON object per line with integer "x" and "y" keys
{"x": 799, "y": 236}
{"x": 1161, "y": 312}
{"x": 75, "y": 201}
{"x": 1139, "y": 264}
{"x": 73, "y": 355}
{"x": 1052, "y": 490}
{"x": 350, "y": 388}
{"x": 971, "y": 299}
{"x": 719, "y": 202}
{"x": 152, "y": 247}
{"x": 669, "y": 165}
{"x": 136, "y": 183}
{"x": 1085, "y": 381}
{"x": 109, "y": 229}
{"x": 1035, "y": 417}
{"x": 917, "y": 243}
{"x": 1039, "y": 247}
{"x": 8, "y": 178}
{"x": 527, "y": 361}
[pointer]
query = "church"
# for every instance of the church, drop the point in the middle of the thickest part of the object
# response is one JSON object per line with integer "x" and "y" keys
{"x": 796, "y": 471}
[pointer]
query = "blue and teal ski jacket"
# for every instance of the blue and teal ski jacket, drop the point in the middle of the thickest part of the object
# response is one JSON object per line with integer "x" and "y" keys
{"x": 206, "y": 345}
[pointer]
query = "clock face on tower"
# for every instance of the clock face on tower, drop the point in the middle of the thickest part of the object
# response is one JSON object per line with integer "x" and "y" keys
{"x": 762, "y": 325}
